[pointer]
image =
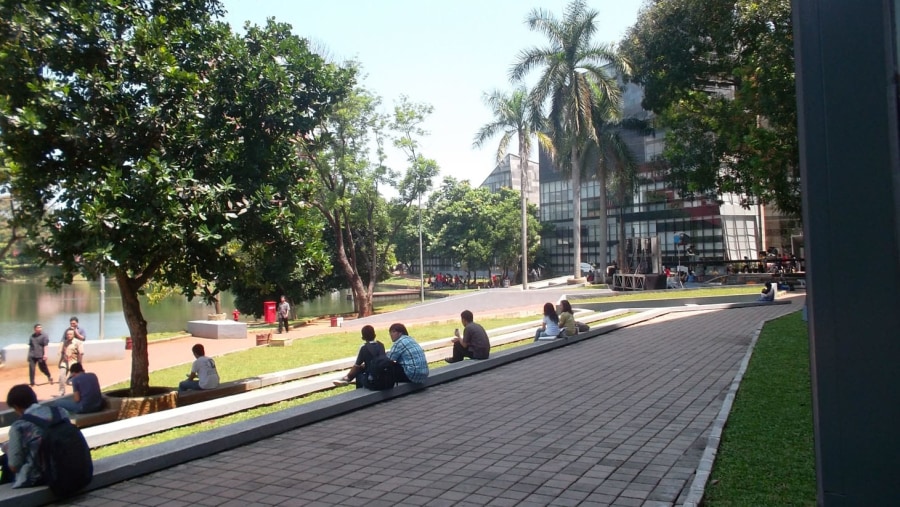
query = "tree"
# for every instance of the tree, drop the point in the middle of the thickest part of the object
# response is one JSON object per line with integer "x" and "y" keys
{"x": 720, "y": 78}
{"x": 347, "y": 181}
{"x": 151, "y": 142}
{"x": 471, "y": 226}
{"x": 578, "y": 77}
{"x": 616, "y": 168}
{"x": 513, "y": 117}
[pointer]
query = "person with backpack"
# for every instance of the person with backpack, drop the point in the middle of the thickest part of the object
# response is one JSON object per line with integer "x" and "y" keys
{"x": 37, "y": 354}
{"x": 409, "y": 360}
{"x": 368, "y": 351}
{"x": 473, "y": 343}
{"x": 44, "y": 447}
{"x": 20, "y": 462}
{"x": 203, "y": 373}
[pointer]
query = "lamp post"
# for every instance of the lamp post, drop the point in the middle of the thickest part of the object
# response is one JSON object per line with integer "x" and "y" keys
{"x": 421, "y": 257}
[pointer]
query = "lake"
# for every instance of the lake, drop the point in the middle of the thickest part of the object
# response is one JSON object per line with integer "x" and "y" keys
{"x": 23, "y": 304}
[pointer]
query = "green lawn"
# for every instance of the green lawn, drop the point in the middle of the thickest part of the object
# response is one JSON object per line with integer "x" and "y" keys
{"x": 766, "y": 456}
{"x": 731, "y": 290}
{"x": 306, "y": 351}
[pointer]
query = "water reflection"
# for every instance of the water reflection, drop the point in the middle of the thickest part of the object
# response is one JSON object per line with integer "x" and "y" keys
{"x": 22, "y": 304}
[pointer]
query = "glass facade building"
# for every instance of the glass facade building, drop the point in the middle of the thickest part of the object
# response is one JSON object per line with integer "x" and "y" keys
{"x": 718, "y": 228}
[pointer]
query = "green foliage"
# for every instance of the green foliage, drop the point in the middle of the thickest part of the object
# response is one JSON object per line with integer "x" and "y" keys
{"x": 362, "y": 225}
{"x": 766, "y": 456}
{"x": 477, "y": 227}
{"x": 720, "y": 77}
{"x": 148, "y": 141}
{"x": 578, "y": 81}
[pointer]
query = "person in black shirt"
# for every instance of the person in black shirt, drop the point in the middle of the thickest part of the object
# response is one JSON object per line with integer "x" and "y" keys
{"x": 371, "y": 348}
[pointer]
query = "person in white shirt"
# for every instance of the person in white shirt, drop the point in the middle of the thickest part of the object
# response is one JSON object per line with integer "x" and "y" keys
{"x": 203, "y": 373}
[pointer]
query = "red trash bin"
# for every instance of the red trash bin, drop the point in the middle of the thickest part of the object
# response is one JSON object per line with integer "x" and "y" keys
{"x": 269, "y": 312}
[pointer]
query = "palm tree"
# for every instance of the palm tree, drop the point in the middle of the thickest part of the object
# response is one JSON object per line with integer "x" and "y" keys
{"x": 512, "y": 117}
{"x": 616, "y": 167}
{"x": 576, "y": 80}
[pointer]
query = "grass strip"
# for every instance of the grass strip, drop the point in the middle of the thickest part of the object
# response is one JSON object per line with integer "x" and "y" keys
{"x": 674, "y": 294}
{"x": 766, "y": 456}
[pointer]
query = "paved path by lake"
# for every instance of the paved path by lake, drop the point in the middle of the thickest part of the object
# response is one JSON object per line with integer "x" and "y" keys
{"x": 621, "y": 419}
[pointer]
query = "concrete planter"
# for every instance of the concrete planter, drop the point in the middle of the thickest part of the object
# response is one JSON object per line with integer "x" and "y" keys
{"x": 159, "y": 399}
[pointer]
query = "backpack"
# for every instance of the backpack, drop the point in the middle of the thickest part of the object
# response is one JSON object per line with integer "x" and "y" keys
{"x": 64, "y": 454}
{"x": 379, "y": 374}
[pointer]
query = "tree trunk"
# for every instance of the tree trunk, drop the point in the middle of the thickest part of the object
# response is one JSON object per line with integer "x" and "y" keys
{"x": 576, "y": 211}
{"x": 137, "y": 327}
{"x": 603, "y": 237}
{"x": 523, "y": 167}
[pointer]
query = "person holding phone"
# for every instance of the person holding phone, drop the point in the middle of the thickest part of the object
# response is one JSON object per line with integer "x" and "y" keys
{"x": 473, "y": 343}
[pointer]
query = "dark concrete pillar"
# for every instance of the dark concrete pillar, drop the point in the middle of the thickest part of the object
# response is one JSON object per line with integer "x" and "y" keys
{"x": 847, "y": 87}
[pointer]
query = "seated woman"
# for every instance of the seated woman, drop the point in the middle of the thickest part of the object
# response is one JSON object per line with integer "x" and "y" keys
{"x": 371, "y": 348}
{"x": 550, "y": 327}
{"x": 567, "y": 319}
{"x": 768, "y": 293}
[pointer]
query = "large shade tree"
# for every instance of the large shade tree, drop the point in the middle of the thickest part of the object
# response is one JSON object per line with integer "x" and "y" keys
{"x": 577, "y": 77}
{"x": 513, "y": 119}
{"x": 720, "y": 78}
{"x": 150, "y": 143}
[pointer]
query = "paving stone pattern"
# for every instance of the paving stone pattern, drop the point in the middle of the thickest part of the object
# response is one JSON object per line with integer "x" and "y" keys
{"x": 620, "y": 420}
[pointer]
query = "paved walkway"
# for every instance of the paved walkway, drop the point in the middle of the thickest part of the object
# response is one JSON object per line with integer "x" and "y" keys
{"x": 622, "y": 419}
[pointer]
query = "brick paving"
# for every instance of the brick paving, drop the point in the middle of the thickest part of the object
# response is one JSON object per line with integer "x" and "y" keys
{"x": 620, "y": 420}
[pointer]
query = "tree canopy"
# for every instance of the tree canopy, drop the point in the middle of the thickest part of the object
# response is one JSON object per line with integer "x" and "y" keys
{"x": 154, "y": 143}
{"x": 720, "y": 78}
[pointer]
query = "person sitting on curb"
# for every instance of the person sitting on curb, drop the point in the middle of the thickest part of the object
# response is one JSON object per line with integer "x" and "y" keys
{"x": 567, "y": 319}
{"x": 203, "y": 373}
{"x": 407, "y": 355}
{"x": 86, "y": 396}
{"x": 474, "y": 342}
{"x": 20, "y": 463}
{"x": 372, "y": 348}
{"x": 550, "y": 327}
{"x": 768, "y": 293}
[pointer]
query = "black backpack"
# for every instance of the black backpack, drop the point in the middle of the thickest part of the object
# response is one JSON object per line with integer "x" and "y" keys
{"x": 64, "y": 454}
{"x": 379, "y": 374}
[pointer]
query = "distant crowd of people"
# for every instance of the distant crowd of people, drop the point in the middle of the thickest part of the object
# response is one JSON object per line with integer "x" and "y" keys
{"x": 448, "y": 281}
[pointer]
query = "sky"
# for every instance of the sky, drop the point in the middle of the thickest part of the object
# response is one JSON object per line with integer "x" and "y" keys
{"x": 447, "y": 54}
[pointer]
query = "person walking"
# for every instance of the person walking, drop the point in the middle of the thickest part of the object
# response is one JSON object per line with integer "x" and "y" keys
{"x": 37, "y": 354}
{"x": 78, "y": 335}
{"x": 473, "y": 343}
{"x": 284, "y": 312}
{"x": 68, "y": 355}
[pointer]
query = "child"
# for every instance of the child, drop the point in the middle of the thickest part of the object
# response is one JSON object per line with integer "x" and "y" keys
{"x": 371, "y": 348}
